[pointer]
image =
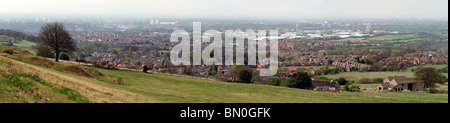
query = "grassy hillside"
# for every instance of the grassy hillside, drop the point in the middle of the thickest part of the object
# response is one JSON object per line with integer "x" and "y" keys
{"x": 64, "y": 82}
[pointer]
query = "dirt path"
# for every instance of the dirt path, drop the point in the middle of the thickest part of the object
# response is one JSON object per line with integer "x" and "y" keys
{"x": 99, "y": 94}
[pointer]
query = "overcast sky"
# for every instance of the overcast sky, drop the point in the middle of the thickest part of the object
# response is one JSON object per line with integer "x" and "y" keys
{"x": 238, "y": 8}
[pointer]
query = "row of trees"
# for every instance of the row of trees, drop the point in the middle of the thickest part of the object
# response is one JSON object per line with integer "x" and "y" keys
{"x": 301, "y": 80}
{"x": 19, "y": 35}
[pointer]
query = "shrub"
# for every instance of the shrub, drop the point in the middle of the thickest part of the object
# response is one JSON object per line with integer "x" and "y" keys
{"x": 188, "y": 71}
{"x": 347, "y": 87}
{"x": 432, "y": 90}
{"x": 351, "y": 88}
{"x": 303, "y": 80}
{"x": 378, "y": 80}
{"x": 288, "y": 83}
{"x": 341, "y": 81}
{"x": 8, "y": 44}
{"x": 218, "y": 75}
{"x": 274, "y": 82}
{"x": 45, "y": 52}
{"x": 104, "y": 65}
{"x": 9, "y": 51}
{"x": 245, "y": 76}
{"x": 365, "y": 81}
{"x": 256, "y": 78}
{"x": 355, "y": 88}
{"x": 64, "y": 57}
{"x": 145, "y": 69}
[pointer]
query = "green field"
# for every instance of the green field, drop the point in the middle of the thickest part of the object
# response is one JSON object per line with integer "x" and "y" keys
{"x": 389, "y": 37}
{"x": 181, "y": 89}
{"x": 308, "y": 67}
{"x": 4, "y": 38}
{"x": 355, "y": 76}
{"x": 21, "y": 44}
{"x": 393, "y": 37}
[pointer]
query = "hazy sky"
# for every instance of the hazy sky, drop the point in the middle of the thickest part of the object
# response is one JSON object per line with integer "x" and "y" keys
{"x": 238, "y": 8}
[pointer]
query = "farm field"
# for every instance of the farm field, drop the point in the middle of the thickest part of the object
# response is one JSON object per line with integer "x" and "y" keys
{"x": 174, "y": 89}
{"x": 308, "y": 67}
{"x": 389, "y": 37}
{"x": 21, "y": 44}
{"x": 355, "y": 76}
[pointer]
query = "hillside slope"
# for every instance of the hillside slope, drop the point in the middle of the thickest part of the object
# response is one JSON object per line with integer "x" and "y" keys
{"x": 57, "y": 84}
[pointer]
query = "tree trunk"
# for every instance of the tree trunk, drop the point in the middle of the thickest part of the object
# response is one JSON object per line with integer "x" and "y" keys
{"x": 57, "y": 57}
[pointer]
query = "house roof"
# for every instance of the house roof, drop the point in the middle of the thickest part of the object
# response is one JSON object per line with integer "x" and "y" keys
{"x": 385, "y": 85}
{"x": 407, "y": 80}
{"x": 398, "y": 77}
{"x": 316, "y": 83}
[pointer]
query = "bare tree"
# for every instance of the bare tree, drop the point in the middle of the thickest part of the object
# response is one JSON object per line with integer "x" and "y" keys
{"x": 55, "y": 38}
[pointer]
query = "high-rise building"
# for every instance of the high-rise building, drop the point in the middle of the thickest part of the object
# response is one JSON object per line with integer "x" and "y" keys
{"x": 369, "y": 29}
{"x": 152, "y": 22}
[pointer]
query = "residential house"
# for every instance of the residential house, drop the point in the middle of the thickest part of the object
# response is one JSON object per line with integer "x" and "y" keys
{"x": 401, "y": 83}
{"x": 325, "y": 85}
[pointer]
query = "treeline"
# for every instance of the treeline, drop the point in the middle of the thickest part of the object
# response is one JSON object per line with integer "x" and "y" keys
{"x": 18, "y": 35}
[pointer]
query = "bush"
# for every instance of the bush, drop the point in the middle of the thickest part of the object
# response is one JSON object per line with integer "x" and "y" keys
{"x": 145, "y": 69}
{"x": 256, "y": 78}
{"x": 64, "y": 57}
{"x": 188, "y": 71}
{"x": 378, "y": 80}
{"x": 365, "y": 81}
{"x": 8, "y": 44}
{"x": 288, "y": 83}
{"x": 324, "y": 78}
{"x": 354, "y": 88}
{"x": 341, "y": 81}
{"x": 274, "y": 82}
{"x": 9, "y": 51}
{"x": 104, "y": 65}
{"x": 351, "y": 88}
{"x": 432, "y": 90}
{"x": 45, "y": 52}
{"x": 347, "y": 87}
{"x": 245, "y": 76}
{"x": 303, "y": 80}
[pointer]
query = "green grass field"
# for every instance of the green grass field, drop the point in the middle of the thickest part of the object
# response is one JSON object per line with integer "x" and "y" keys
{"x": 308, "y": 67}
{"x": 4, "y": 38}
{"x": 389, "y": 37}
{"x": 393, "y": 37}
{"x": 180, "y": 89}
{"x": 28, "y": 45}
{"x": 356, "y": 76}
